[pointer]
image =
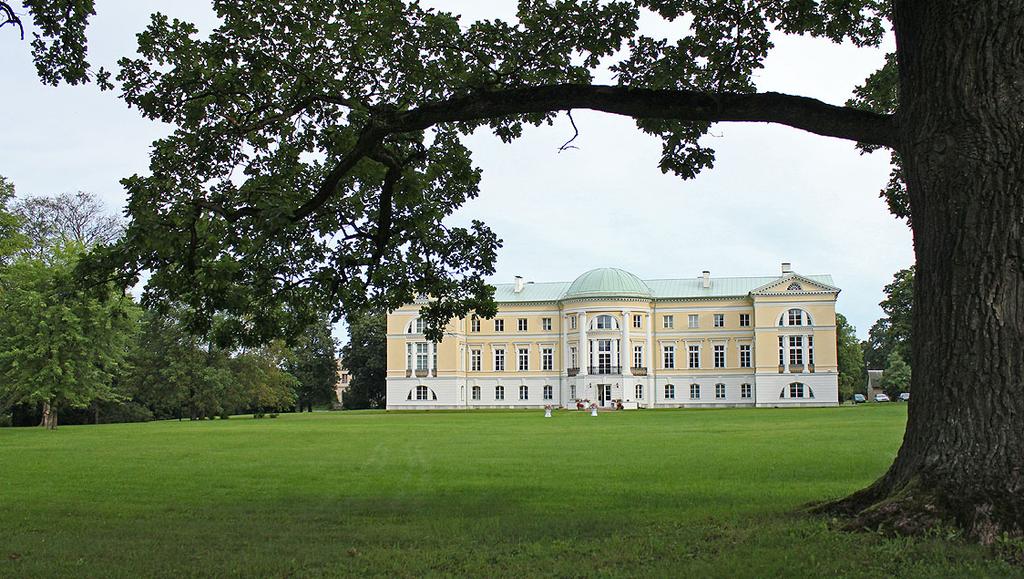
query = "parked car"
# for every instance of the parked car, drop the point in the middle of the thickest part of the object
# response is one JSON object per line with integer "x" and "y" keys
{"x": 859, "y": 399}
{"x": 882, "y": 398}
{"x": 904, "y": 397}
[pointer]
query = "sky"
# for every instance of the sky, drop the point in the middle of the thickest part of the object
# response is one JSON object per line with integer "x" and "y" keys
{"x": 775, "y": 194}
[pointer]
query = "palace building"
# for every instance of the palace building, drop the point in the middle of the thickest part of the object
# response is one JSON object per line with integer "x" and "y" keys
{"x": 609, "y": 336}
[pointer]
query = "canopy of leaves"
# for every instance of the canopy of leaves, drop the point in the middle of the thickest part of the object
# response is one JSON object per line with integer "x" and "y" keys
{"x": 893, "y": 332}
{"x": 318, "y": 156}
{"x": 850, "y": 359}
{"x": 314, "y": 363}
{"x": 365, "y": 356}
{"x": 59, "y": 45}
{"x": 896, "y": 377}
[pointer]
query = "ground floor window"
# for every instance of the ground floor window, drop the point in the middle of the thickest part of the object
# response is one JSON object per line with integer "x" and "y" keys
{"x": 549, "y": 393}
{"x": 670, "y": 392}
{"x": 796, "y": 390}
{"x": 572, "y": 390}
{"x": 421, "y": 393}
{"x": 499, "y": 392}
{"x": 694, "y": 391}
{"x": 639, "y": 391}
{"x": 745, "y": 390}
{"x": 476, "y": 393}
{"x": 719, "y": 391}
{"x": 524, "y": 393}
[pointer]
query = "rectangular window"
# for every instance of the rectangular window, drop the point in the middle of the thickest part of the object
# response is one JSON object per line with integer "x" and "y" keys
{"x": 524, "y": 359}
{"x": 694, "y": 391}
{"x": 670, "y": 392}
{"x": 719, "y": 355}
{"x": 638, "y": 356}
{"x": 796, "y": 350}
{"x": 719, "y": 320}
{"x": 524, "y": 393}
{"x": 545, "y": 324}
{"x": 474, "y": 360}
{"x": 719, "y": 391}
{"x": 572, "y": 358}
{"x": 668, "y": 321}
{"x": 499, "y": 360}
{"x": 744, "y": 355}
{"x": 499, "y": 325}
{"x": 744, "y": 320}
{"x": 474, "y": 324}
{"x": 694, "y": 352}
{"x": 572, "y": 392}
{"x": 638, "y": 321}
{"x": 796, "y": 317}
{"x": 744, "y": 390}
{"x": 476, "y": 393}
{"x": 693, "y": 321}
{"x": 810, "y": 350}
{"x": 409, "y": 356}
{"x": 782, "y": 350}
{"x": 522, "y": 324}
{"x": 572, "y": 322}
{"x": 547, "y": 358}
{"x": 421, "y": 356}
{"x": 499, "y": 392}
{"x": 669, "y": 355}
{"x": 639, "y": 391}
{"x": 549, "y": 393}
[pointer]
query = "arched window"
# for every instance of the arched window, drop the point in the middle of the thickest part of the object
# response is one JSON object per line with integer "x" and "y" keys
{"x": 795, "y": 317}
{"x": 605, "y": 322}
{"x": 694, "y": 391}
{"x": 415, "y": 327}
{"x": 524, "y": 393}
{"x": 422, "y": 392}
{"x": 794, "y": 287}
{"x": 670, "y": 392}
{"x": 719, "y": 391}
{"x": 499, "y": 392}
{"x": 639, "y": 391}
{"x": 797, "y": 390}
{"x": 476, "y": 393}
{"x": 549, "y": 392}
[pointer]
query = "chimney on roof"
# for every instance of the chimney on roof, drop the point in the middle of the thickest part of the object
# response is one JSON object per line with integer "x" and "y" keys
{"x": 787, "y": 268}
{"x": 519, "y": 284}
{"x": 706, "y": 281}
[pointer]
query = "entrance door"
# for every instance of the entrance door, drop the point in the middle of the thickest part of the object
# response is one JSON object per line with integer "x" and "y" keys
{"x": 604, "y": 394}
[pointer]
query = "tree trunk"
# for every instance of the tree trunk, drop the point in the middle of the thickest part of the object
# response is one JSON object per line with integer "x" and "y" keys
{"x": 49, "y": 420}
{"x": 962, "y": 143}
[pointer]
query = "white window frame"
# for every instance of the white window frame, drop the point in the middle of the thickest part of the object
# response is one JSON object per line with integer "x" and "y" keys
{"x": 474, "y": 324}
{"x": 547, "y": 358}
{"x": 475, "y": 392}
{"x": 693, "y": 356}
{"x": 796, "y": 350}
{"x": 638, "y": 356}
{"x": 499, "y": 359}
{"x": 670, "y": 392}
{"x": 719, "y": 391}
{"x": 746, "y": 356}
{"x": 744, "y": 320}
{"x": 475, "y": 360}
{"x": 639, "y": 391}
{"x": 694, "y": 391}
{"x": 524, "y": 392}
{"x": 719, "y": 355}
{"x": 572, "y": 357}
{"x": 572, "y": 322}
{"x": 746, "y": 391}
{"x": 523, "y": 325}
{"x": 797, "y": 388}
{"x": 422, "y": 392}
{"x": 523, "y": 359}
{"x": 668, "y": 356}
{"x": 668, "y": 321}
{"x": 549, "y": 392}
{"x": 693, "y": 321}
{"x": 499, "y": 392}
{"x": 638, "y": 321}
{"x": 499, "y": 325}
{"x": 719, "y": 320}
{"x": 422, "y": 356}
{"x": 545, "y": 324}
{"x": 605, "y": 322}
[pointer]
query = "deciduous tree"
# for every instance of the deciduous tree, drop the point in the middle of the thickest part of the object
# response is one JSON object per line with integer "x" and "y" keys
{"x": 365, "y": 357}
{"x": 896, "y": 377}
{"x": 892, "y": 333}
{"x": 318, "y": 153}
{"x": 314, "y": 363}
{"x": 850, "y": 358}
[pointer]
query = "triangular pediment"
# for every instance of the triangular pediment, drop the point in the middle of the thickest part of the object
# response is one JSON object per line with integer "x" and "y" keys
{"x": 794, "y": 284}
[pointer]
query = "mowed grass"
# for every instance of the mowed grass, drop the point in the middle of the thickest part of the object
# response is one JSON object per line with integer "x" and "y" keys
{"x": 713, "y": 493}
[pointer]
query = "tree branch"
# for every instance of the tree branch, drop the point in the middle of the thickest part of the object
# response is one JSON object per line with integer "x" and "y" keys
{"x": 799, "y": 112}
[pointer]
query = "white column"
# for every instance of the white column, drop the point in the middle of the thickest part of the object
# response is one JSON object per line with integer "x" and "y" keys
{"x": 626, "y": 356}
{"x": 565, "y": 344}
{"x": 785, "y": 353}
{"x": 430, "y": 357}
{"x": 582, "y": 350}
{"x": 806, "y": 359}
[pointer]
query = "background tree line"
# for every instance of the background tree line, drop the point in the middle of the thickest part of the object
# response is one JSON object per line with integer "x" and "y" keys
{"x": 94, "y": 354}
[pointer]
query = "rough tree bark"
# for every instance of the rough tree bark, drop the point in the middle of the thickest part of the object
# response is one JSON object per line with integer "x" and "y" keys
{"x": 49, "y": 420}
{"x": 961, "y": 133}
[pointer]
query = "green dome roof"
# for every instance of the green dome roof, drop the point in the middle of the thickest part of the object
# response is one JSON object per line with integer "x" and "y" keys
{"x": 607, "y": 282}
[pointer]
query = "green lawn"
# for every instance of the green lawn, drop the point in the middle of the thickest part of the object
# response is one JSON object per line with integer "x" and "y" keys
{"x": 658, "y": 493}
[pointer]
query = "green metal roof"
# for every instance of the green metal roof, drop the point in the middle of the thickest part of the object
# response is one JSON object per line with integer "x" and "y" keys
{"x": 611, "y": 283}
{"x": 607, "y": 282}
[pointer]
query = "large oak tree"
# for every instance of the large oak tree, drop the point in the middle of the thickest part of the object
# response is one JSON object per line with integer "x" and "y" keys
{"x": 318, "y": 152}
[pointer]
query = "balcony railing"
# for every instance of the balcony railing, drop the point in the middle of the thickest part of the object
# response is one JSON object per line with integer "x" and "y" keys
{"x": 639, "y": 370}
{"x": 572, "y": 371}
{"x": 604, "y": 370}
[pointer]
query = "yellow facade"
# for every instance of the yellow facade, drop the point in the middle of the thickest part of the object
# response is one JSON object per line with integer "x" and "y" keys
{"x": 611, "y": 338}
